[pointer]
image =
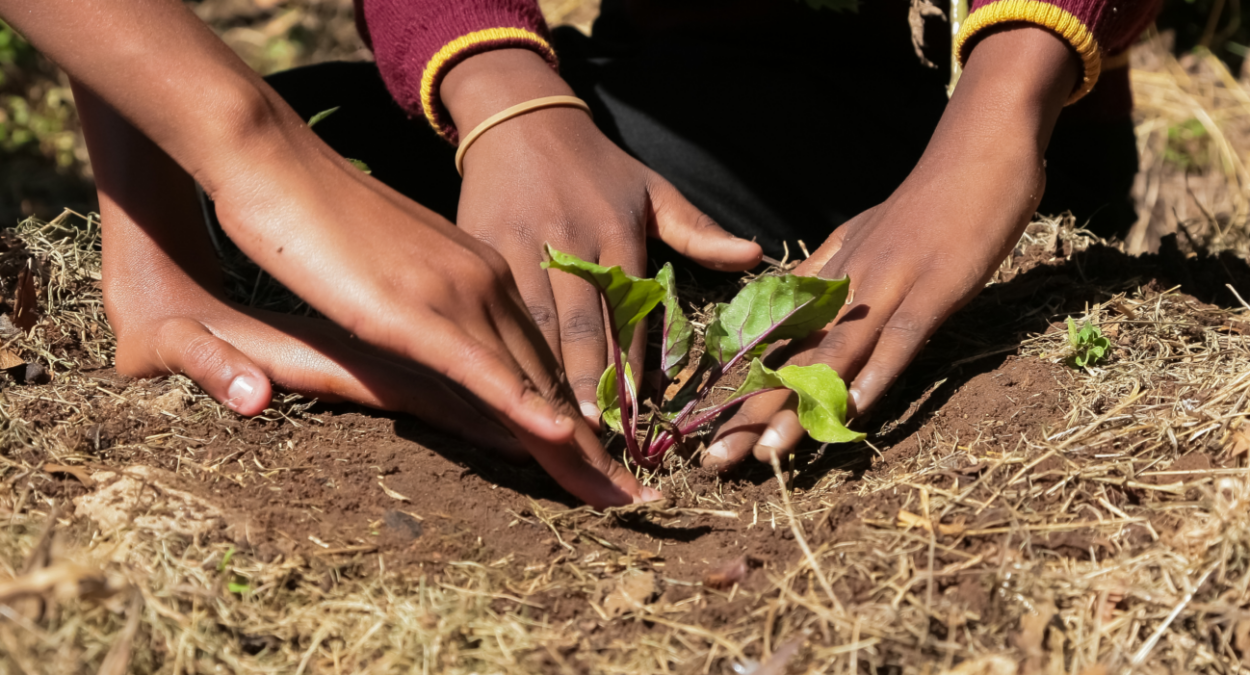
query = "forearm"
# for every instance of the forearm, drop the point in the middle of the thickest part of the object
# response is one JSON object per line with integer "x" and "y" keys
{"x": 148, "y": 205}
{"x": 160, "y": 67}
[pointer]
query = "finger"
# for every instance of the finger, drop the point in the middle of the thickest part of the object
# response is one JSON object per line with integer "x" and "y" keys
{"x": 783, "y": 433}
{"x": 695, "y": 235}
{"x": 821, "y": 256}
{"x": 223, "y": 372}
{"x": 535, "y": 286}
{"x": 506, "y": 369}
{"x": 582, "y": 338}
{"x": 903, "y": 336}
{"x": 737, "y": 438}
{"x": 316, "y": 358}
{"x": 584, "y": 469}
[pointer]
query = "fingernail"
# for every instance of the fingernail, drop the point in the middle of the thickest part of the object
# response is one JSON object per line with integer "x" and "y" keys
{"x": 240, "y": 388}
{"x": 649, "y": 494}
{"x": 770, "y": 438}
{"x": 855, "y": 407}
{"x": 719, "y": 450}
{"x": 590, "y": 410}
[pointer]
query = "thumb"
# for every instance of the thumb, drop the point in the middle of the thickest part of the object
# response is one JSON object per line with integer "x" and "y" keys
{"x": 693, "y": 234}
{"x": 223, "y": 372}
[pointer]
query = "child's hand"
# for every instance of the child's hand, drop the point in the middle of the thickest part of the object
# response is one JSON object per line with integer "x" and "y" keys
{"x": 551, "y": 176}
{"x": 391, "y": 272}
{"x": 403, "y": 279}
{"x": 920, "y": 256}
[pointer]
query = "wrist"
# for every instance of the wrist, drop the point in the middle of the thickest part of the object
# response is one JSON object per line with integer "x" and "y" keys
{"x": 1013, "y": 88}
{"x": 487, "y": 83}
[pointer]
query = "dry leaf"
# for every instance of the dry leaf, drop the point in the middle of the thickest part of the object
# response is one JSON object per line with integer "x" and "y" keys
{"x": 630, "y": 593}
{"x": 10, "y": 360}
{"x": 172, "y": 402}
{"x": 391, "y": 493}
{"x": 25, "y": 300}
{"x": 680, "y": 381}
{"x": 1032, "y": 635}
{"x": 78, "y": 472}
{"x": 915, "y": 19}
{"x": 728, "y": 574}
{"x": 142, "y": 497}
{"x": 776, "y": 664}
{"x": 990, "y": 664}
{"x": 1238, "y": 444}
{"x": 117, "y": 661}
{"x": 1241, "y": 639}
{"x": 65, "y": 581}
{"x": 908, "y": 519}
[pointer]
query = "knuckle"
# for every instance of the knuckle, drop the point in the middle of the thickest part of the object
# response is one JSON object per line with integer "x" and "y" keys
{"x": 585, "y": 383}
{"x": 905, "y": 326}
{"x": 834, "y": 347}
{"x": 543, "y": 315}
{"x": 579, "y": 325}
{"x": 203, "y": 354}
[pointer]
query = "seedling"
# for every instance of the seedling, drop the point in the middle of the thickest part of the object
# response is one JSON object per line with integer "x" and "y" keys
{"x": 768, "y": 309}
{"x": 1089, "y": 346}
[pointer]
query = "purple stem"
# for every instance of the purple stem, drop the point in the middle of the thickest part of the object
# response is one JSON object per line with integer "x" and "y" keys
{"x": 625, "y": 397}
{"x": 711, "y": 413}
{"x": 666, "y": 440}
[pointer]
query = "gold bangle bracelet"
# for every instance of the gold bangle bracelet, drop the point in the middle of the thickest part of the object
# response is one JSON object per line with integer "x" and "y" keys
{"x": 509, "y": 113}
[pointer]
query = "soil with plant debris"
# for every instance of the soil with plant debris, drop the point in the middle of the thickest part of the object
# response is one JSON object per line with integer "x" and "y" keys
{"x": 1007, "y": 508}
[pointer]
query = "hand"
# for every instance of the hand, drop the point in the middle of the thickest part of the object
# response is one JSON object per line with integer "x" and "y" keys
{"x": 392, "y": 273}
{"x": 924, "y": 253}
{"x": 550, "y": 176}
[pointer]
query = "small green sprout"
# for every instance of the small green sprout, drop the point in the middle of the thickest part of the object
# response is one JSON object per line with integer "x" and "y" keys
{"x": 1089, "y": 346}
{"x": 225, "y": 560}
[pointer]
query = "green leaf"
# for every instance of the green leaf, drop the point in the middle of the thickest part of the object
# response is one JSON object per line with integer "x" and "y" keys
{"x": 629, "y": 298}
{"x": 759, "y": 376}
{"x": 225, "y": 560}
{"x": 774, "y": 308}
{"x": 678, "y": 333}
{"x": 312, "y": 121}
{"x": 822, "y": 402}
{"x": 609, "y": 400}
{"x": 822, "y": 397}
{"x": 237, "y": 587}
{"x": 1089, "y": 346}
{"x": 361, "y": 165}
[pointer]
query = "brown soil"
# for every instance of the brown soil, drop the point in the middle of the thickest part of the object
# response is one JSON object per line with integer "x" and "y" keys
{"x": 349, "y": 491}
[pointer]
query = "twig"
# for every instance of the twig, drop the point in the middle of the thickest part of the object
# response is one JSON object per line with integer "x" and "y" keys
{"x": 802, "y": 541}
{"x": 1154, "y": 638}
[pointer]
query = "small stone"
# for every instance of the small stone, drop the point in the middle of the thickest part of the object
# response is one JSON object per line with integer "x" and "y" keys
{"x": 403, "y": 524}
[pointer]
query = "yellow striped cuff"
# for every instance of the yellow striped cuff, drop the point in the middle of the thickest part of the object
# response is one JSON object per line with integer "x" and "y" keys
{"x": 448, "y": 55}
{"x": 1042, "y": 14}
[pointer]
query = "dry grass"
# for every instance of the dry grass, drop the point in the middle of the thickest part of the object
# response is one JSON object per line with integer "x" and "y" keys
{"x": 1165, "y": 587}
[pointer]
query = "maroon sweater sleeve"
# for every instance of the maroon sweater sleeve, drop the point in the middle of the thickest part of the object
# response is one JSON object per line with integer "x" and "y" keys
{"x": 416, "y": 43}
{"x": 1099, "y": 30}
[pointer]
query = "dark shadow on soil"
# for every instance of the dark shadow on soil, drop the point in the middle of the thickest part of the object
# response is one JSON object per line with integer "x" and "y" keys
{"x": 976, "y": 340}
{"x": 33, "y": 185}
{"x": 981, "y": 337}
